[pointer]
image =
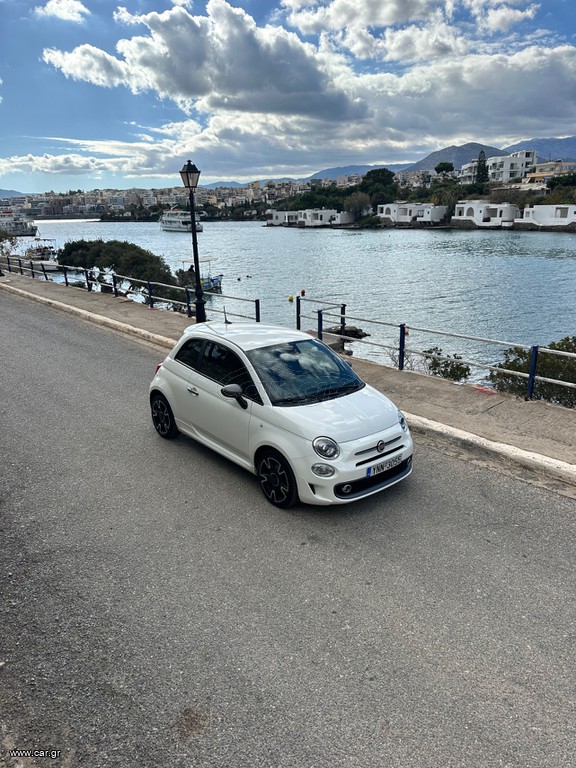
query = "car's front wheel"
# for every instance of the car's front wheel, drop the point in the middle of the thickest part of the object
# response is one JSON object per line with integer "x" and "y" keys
{"x": 162, "y": 417}
{"x": 277, "y": 479}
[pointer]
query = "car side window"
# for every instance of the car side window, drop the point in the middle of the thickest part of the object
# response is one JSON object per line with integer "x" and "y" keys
{"x": 224, "y": 366}
{"x": 189, "y": 353}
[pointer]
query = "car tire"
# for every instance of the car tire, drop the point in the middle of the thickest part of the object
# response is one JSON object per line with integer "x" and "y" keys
{"x": 277, "y": 480}
{"x": 162, "y": 417}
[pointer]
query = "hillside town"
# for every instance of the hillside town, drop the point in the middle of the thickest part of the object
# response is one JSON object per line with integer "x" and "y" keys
{"x": 519, "y": 172}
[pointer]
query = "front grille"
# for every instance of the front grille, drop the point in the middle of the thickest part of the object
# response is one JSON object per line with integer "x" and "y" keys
{"x": 359, "y": 487}
{"x": 373, "y": 447}
{"x": 375, "y": 456}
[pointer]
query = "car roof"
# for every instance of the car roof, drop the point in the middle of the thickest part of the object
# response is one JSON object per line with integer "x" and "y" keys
{"x": 247, "y": 336}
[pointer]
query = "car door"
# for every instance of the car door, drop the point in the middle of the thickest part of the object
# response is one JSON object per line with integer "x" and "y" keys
{"x": 181, "y": 399}
{"x": 218, "y": 421}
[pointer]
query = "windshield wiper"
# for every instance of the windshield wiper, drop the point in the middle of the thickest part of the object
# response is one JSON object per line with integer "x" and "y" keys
{"x": 299, "y": 399}
{"x": 343, "y": 389}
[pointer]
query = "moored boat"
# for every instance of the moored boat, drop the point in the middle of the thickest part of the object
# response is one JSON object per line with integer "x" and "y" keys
{"x": 178, "y": 221}
{"x": 43, "y": 254}
{"x": 15, "y": 224}
{"x": 208, "y": 281}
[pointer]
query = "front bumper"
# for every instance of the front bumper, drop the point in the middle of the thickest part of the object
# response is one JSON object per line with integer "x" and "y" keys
{"x": 352, "y": 479}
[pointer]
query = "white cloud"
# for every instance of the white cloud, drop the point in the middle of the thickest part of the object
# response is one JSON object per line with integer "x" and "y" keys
{"x": 502, "y": 19}
{"x": 398, "y": 80}
{"x": 104, "y": 70}
{"x": 314, "y": 17}
{"x": 407, "y": 44}
{"x": 69, "y": 10}
{"x": 221, "y": 61}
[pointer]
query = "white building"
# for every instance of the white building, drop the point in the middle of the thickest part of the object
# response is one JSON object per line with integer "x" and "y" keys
{"x": 411, "y": 213}
{"x": 482, "y": 214}
{"x": 541, "y": 173}
{"x": 414, "y": 179}
{"x": 547, "y": 216}
{"x": 324, "y": 217}
{"x": 348, "y": 181}
{"x": 502, "y": 169}
{"x": 281, "y": 218}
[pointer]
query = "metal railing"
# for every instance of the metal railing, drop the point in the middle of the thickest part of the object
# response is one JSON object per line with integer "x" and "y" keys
{"x": 399, "y": 352}
{"x": 153, "y": 294}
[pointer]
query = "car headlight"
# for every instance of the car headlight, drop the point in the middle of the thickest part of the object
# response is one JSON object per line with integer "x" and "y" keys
{"x": 402, "y": 421}
{"x": 326, "y": 447}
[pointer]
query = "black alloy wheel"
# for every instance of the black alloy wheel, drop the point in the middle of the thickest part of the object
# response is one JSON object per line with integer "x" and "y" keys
{"x": 277, "y": 480}
{"x": 162, "y": 417}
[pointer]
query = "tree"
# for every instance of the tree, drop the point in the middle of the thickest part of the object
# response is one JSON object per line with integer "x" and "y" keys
{"x": 357, "y": 203}
{"x": 380, "y": 185}
{"x": 567, "y": 180}
{"x": 549, "y": 366}
{"x": 123, "y": 257}
{"x": 482, "y": 169}
{"x": 443, "y": 168}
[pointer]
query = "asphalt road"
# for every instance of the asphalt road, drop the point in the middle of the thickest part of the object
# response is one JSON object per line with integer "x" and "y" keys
{"x": 156, "y": 611}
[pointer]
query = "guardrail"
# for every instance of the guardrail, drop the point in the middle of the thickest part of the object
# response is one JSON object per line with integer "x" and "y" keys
{"x": 152, "y": 293}
{"x": 399, "y": 352}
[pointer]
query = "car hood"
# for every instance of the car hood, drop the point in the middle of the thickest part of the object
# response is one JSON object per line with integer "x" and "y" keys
{"x": 343, "y": 418}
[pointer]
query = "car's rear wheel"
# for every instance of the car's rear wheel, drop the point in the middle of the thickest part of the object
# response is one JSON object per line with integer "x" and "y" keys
{"x": 277, "y": 479}
{"x": 162, "y": 417}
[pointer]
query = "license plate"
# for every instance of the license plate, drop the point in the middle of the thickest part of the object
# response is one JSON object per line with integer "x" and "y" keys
{"x": 383, "y": 466}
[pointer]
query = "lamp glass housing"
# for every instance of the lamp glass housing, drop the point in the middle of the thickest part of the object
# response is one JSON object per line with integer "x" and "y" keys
{"x": 190, "y": 175}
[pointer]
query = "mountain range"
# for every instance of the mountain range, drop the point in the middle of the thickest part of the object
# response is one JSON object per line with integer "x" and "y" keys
{"x": 546, "y": 149}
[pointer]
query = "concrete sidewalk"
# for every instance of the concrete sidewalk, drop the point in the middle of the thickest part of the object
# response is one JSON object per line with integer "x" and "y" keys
{"x": 533, "y": 434}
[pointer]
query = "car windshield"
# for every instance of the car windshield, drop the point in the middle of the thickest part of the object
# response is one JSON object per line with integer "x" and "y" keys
{"x": 300, "y": 372}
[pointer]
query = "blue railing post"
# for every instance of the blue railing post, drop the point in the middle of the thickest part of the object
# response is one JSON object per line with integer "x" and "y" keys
{"x": 8, "y": 264}
{"x": 87, "y": 278}
{"x": 114, "y": 285}
{"x": 150, "y": 296}
{"x": 65, "y": 270}
{"x": 257, "y": 309}
{"x": 402, "y": 346}
{"x": 20, "y": 265}
{"x": 188, "y": 307}
{"x": 320, "y": 323}
{"x": 532, "y": 372}
{"x": 31, "y": 268}
{"x": 343, "y": 319}
{"x": 298, "y": 310}
{"x": 44, "y": 271}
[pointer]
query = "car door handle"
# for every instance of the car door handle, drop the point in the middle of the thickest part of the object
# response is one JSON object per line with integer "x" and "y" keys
{"x": 193, "y": 390}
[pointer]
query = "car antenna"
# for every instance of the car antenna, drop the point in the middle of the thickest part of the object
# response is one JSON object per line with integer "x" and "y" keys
{"x": 226, "y": 321}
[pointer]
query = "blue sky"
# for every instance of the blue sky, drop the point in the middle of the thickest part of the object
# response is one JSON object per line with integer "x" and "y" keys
{"x": 95, "y": 94}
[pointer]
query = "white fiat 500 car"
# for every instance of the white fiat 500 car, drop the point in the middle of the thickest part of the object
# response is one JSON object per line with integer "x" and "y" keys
{"x": 284, "y": 406}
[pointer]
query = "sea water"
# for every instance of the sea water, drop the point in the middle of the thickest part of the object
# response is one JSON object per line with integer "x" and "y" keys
{"x": 518, "y": 287}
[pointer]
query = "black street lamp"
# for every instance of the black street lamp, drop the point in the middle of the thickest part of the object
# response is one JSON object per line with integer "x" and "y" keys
{"x": 190, "y": 176}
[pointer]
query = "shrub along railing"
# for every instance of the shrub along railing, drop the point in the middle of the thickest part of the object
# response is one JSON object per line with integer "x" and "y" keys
{"x": 154, "y": 294}
{"x": 433, "y": 360}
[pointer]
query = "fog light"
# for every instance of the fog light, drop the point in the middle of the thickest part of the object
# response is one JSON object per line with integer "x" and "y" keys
{"x": 323, "y": 470}
{"x": 346, "y": 488}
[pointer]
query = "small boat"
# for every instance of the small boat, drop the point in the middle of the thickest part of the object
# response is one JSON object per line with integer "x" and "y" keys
{"x": 208, "y": 282}
{"x": 14, "y": 224}
{"x": 179, "y": 221}
{"x": 43, "y": 254}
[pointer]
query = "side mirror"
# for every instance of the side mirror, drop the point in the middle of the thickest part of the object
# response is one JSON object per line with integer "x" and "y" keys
{"x": 234, "y": 391}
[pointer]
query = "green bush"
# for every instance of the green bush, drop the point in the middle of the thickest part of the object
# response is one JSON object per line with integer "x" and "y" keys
{"x": 548, "y": 366}
{"x": 447, "y": 368}
{"x": 123, "y": 257}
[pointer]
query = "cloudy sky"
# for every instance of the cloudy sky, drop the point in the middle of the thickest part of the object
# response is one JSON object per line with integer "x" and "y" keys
{"x": 97, "y": 94}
